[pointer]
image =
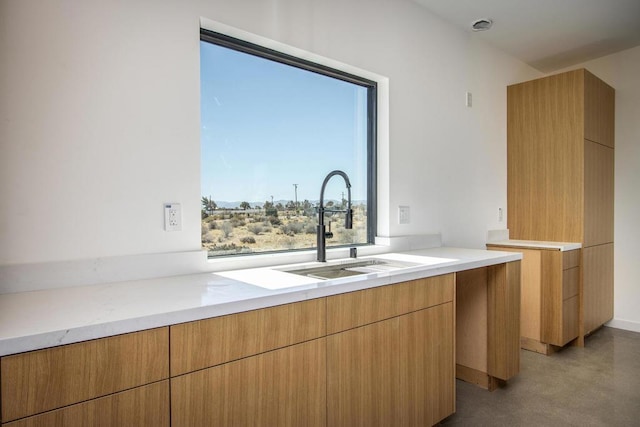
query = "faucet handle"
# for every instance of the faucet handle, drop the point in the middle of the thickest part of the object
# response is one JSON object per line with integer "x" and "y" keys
{"x": 328, "y": 234}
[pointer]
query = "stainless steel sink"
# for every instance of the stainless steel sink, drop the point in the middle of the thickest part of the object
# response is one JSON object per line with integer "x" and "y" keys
{"x": 346, "y": 269}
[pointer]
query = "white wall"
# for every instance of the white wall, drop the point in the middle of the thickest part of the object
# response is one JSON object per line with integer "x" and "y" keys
{"x": 99, "y": 117}
{"x": 622, "y": 72}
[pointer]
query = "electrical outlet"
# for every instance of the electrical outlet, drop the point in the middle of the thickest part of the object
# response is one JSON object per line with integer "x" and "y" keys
{"x": 403, "y": 215}
{"x": 172, "y": 217}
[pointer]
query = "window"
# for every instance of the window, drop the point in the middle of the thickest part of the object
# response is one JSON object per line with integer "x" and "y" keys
{"x": 272, "y": 127}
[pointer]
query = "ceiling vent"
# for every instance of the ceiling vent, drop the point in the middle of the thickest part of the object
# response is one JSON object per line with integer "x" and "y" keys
{"x": 482, "y": 25}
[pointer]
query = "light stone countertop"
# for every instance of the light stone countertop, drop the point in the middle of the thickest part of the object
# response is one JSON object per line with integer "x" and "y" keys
{"x": 537, "y": 244}
{"x": 40, "y": 319}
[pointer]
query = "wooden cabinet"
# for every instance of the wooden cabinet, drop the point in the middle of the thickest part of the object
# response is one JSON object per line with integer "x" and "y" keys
{"x": 145, "y": 406}
{"x": 44, "y": 380}
{"x": 205, "y": 343}
{"x": 549, "y": 300}
{"x": 283, "y": 387}
{"x": 560, "y": 169}
{"x": 379, "y": 356}
{"x": 260, "y": 367}
{"x": 392, "y": 363}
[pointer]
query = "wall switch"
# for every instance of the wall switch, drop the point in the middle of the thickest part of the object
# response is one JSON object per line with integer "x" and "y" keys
{"x": 500, "y": 215}
{"x": 403, "y": 215}
{"x": 172, "y": 217}
{"x": 468, "y": 99}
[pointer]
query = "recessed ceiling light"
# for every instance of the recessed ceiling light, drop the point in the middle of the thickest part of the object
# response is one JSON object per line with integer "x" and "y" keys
{"x": 482, "y": 24}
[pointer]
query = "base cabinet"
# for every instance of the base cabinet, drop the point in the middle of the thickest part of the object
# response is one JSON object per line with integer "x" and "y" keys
{"x": 146, "y": 406}
{"x": 398, "y": 371}
{"x": 550, "y": 297}
{"x": 284, "y": 387}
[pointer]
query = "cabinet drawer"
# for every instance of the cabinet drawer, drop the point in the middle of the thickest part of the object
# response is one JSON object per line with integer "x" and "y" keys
{"x": 570, "y": 319}
{"x": 571, "y": 259}
{"x": 350, "y": 310}
{"x": 205, "y": 343}
{"x": 47, "y": 379}
{"x": 146, "y": 406}
{"x": 570, "y": 281}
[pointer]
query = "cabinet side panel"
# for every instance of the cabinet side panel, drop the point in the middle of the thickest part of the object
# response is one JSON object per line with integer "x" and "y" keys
{"x": 598, "y": 193}
{"x": 503, "y": 320}
{"x": 146, "y": 406}
{"x": 353, "y": 309}
{"x": 471, "y": 319}
{"x": 599, "y": 105}
{"x": 284, "y": 387}
{"x": 544, "y": 158}
{"x": 598, "y": 286}
{"x": 205, "y": 343}
{"x": 46, "y": 379}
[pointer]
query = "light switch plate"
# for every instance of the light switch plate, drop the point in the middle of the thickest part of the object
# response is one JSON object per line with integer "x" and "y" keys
{"x": 172, "y": 217}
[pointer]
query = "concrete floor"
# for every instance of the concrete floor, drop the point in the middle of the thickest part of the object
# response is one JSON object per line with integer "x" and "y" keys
{"x": 598, "y": 385}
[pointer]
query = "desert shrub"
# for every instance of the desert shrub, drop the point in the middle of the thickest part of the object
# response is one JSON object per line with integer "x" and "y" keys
{"x": 226, "y": 228}
{"x": 274, "y": 220}
{"x": 310, "y": 228}
{"x": 248, "y": 239}
{"x": 213, "y": 225}
{"x": 292, "y": 228}
{"x": 208, "y": 237}
{"x": 238, "y": 222}
{"x": 255, "y": 229}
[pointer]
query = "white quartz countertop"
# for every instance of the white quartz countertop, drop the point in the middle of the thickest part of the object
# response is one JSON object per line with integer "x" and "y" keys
{"x": 537, "y": 244}
{"x": 40, "y": 319}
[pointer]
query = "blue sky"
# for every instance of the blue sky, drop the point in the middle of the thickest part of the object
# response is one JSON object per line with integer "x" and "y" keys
{"x": 266, "y": 126}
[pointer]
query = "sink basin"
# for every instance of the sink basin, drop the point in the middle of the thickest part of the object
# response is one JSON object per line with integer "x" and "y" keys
{"x": 346, "y": 269}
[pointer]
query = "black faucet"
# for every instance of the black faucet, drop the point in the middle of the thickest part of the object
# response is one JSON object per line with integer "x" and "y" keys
{"x": 322, "y": 233}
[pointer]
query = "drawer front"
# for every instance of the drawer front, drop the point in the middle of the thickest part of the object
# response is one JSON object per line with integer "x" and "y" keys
{"x": 570, "y": 281}
{"x": 47, "y": 379}
{"x": 569, "y": 319}
{"x": 353, "y": 309}
{"x": 205, "y": 343}
{"x": 146, "y": 406}
{"x": 571, "y": 259}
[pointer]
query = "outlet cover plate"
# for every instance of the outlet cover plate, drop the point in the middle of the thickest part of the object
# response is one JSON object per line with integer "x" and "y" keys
{"x": 172, "y": 217}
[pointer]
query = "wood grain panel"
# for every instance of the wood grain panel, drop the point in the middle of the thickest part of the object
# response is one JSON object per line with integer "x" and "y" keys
{"x": 569, "y": 319}
{"x": 598, "y": 194}
{"x": 599, "y": 110}
{"x": 544, "y": 158}
{"x": 503, "y": 320}
{"x": 394, "y": 372}
{"x": 205, "y": 343}
{"x": 471, "y": 319}
{"x": 353, "y": 309}
{"x": 146, "y": 406}
{"x": 47, "y": 379}
{"x": 284, "y": 387}
{"x": 598, "y": 286}
{"x": 571, "y": 259}
{"x": 551, "y": 294}
{"x": 570, "y": 282}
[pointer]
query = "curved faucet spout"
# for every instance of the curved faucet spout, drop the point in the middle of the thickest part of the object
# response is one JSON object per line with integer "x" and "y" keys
{"x": 348, "y": 222}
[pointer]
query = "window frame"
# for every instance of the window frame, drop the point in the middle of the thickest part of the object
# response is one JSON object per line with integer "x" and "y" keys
{"x": 372, "y": 119}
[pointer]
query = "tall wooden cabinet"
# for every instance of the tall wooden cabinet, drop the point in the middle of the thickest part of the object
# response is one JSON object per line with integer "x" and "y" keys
{"x": 560, "y": 168}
